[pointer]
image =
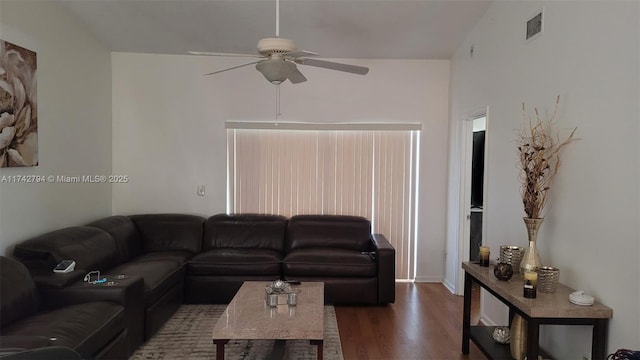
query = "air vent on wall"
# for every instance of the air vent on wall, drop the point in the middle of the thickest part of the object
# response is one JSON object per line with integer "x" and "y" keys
{"x": 534, "y": 25}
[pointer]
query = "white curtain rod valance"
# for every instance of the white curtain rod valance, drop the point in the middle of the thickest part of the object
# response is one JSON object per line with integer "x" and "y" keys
{"x": 258, "y": 125}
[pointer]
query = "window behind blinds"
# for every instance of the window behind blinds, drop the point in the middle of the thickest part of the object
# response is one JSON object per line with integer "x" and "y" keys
{"x": 369, "y": 173}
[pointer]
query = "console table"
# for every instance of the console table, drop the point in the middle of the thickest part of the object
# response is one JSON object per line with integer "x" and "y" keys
{"x": 554, "y": 309}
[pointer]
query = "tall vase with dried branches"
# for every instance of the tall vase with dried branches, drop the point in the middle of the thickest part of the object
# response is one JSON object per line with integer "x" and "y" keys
{"x": 539, "y": 146}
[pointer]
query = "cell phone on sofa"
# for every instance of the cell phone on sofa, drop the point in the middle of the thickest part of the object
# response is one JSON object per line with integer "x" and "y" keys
{"x": 65, "y": 266}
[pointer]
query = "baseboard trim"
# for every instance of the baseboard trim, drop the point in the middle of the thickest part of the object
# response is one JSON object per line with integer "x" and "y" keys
{"x": 428, "y": 279}
{"x": 449, "y": 287}
{"x": 486, "y": 321}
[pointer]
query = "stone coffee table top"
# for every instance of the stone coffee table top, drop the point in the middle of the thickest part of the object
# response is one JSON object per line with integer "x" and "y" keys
{"x": 249, "y": 317}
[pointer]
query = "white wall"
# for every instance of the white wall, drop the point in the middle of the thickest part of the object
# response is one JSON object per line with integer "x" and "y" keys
{"x": 169, "y": 137}
{"x": 588, "y": 54}
{"x": 74, "y": 129}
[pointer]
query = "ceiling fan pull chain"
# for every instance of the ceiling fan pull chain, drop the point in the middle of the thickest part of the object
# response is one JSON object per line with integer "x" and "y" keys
{"x": 277, "y": 18}
{"x": 277, "y": 103}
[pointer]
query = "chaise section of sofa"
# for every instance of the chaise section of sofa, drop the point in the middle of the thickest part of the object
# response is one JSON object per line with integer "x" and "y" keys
{"x": 355, "y": 266}
{"x": 155, "y": 247}
{"x": 152, "y": 247}
{"x": 95, "y": 329}
{"x": 236, "y": 248}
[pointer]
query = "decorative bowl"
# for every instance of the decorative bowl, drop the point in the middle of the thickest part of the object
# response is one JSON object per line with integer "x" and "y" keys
{"x": 503, "y": 271}
{"x": 501, "y": 334}
{"x": 512, "y": 255}
{"x": 278, "y": 287}
{"x": 548, "y": 278}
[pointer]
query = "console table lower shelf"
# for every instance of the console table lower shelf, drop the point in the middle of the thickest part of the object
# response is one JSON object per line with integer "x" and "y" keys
{"x": 552, "y": 309}
{"x": 482, "y": 336}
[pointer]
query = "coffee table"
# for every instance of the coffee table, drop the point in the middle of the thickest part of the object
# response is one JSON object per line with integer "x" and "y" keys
{"x": 248, "y": 317}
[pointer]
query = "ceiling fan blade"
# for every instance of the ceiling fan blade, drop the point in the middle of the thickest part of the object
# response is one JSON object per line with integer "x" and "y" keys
{"x": 298, "y": 54}
{"x": 296, "y": 77}
{"x": 233, "y": 67}
{"x": 206, "y": 53}
{"x": 360, "y": 70}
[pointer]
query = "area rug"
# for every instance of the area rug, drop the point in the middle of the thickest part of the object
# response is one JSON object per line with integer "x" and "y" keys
{"x": 187, "y": 335}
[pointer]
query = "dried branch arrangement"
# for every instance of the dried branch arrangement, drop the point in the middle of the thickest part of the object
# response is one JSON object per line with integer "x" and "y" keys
{"x": 539, "y": 145}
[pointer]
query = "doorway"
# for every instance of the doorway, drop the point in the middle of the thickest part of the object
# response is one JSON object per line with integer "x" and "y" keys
{"x": 477, "y": 186}
{"x": 472, "y": 199}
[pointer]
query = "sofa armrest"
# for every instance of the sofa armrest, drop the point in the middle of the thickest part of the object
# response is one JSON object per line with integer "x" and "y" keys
{"x": 81, "y": 292}
{"x": 386, "y": 257}
{"x": 128, "y": 292}
{"x": 14, "y": 344}
{"x": 58, "y": 280}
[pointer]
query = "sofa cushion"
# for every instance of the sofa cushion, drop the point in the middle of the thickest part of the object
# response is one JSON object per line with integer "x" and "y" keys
{"x": 254, "y": 231}
{"x": 159, "y": 276}
{"x": 179, "y": 256}
{"x": 165, "y": 232}
{"x": 124, "y": 233}
{"x": 328, "y": 231}
{"x": 328, "y": 263}
{"x": 235, "y": 262}
{"x": 91, "y": 248}
{"x": 19, "y": 296}
{"x": 83, "y": 327}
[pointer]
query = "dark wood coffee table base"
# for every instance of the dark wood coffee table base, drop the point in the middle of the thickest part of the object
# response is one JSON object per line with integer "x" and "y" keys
{"x": 320, "y": 345}
{"x": 277, "y": 352}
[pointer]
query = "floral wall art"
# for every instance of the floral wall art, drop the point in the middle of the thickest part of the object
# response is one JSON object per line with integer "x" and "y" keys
{"x": 18, "y": 106}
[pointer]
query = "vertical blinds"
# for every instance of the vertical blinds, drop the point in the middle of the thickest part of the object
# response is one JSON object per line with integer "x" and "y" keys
{"x": 369, "y": 173}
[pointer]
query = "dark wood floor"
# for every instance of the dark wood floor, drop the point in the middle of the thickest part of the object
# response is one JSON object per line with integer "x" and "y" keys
{"x": 424, "y": 323}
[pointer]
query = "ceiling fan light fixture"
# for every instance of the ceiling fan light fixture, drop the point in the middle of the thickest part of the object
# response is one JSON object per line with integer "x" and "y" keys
{"x": 279, "y": 57}
{"x": 276, "y": 71}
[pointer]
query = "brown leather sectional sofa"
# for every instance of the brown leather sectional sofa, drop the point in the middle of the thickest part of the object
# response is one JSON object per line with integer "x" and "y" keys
{"x": 168, "y": 259}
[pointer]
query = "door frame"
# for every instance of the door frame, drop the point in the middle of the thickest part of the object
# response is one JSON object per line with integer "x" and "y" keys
{"x": 465, "y": 139}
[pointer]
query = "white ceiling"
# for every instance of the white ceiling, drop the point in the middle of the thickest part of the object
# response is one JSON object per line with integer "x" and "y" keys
{"x": 371, "y": 29}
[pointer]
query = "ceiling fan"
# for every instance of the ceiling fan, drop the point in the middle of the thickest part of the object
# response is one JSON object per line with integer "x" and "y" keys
{"x": 279, "y": 57}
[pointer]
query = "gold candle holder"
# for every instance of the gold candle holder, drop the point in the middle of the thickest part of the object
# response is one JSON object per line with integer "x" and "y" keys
{"x": 485, "y": 253}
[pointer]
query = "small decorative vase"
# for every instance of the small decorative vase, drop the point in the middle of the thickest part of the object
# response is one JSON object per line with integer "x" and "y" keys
{"x": 503, "y": 271}
{"x": 518, "y": 340}
{"x": 531, "y": 259}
